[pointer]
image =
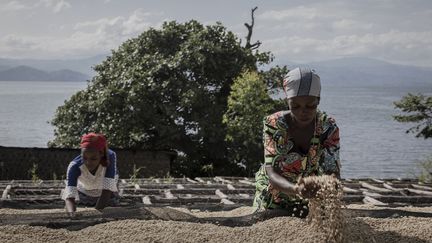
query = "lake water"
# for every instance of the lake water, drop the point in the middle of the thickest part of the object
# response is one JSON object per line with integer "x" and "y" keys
{"x": 372, "y": 143}
{"x": 26, "y": 108}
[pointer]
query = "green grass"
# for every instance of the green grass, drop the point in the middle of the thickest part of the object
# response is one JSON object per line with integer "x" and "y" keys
{"x": 34, "y": 175}
{"x": 426, "y": 170}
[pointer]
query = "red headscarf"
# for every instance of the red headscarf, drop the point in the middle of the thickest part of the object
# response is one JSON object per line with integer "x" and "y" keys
{"x": 96, "y": 141}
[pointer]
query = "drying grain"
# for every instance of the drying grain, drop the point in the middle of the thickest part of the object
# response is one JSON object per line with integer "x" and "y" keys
{"x": 325, "y": 211}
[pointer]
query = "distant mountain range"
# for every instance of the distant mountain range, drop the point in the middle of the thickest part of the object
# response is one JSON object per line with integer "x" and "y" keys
{"x": 353, "y": 71}
{"x": 26, "y": 73}
{"x": 2, "y": 67}
{"x": 356, "y": 71}
{"x": 83, "y": 65}
{"x": 48, "y": 70}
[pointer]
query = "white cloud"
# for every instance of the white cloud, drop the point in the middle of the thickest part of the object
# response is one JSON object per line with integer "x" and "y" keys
{"x": 322, "y": 31}
{"x": 113, "y": 31}
{"x": 14, "y": 6}
{"x": 55, "y": 5}
{"x": 394, "y": 46}
{"x": 97, "y": 24}
{"x": 89, "y": 38}
{"x": 319, "y": 20}
{"x": 312, "y": 30}
{"x": 17, "y": 46}
{"x": 350, "y": 25}
{"x": 137, "y": 23}
{"x": 294, "y": 26}
{"x": 299, "y": 12}
{"x": 17, "y": 42}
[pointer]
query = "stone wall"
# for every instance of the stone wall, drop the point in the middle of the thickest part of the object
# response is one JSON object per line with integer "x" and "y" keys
{"x": 16, "y": 163}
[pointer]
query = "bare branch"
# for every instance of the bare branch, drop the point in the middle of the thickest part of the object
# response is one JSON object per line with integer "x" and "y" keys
{"x": 250, "y": 30}
{"x": 255, "y": 45}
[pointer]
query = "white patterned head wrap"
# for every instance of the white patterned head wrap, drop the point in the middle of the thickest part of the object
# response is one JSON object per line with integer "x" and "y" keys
{"x": 302, "y": 82}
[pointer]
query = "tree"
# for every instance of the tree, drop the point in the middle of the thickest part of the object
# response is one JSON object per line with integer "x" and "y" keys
{"x": 165, "y": 89}
{"x": 248, "y": 103}
{"x": 419, "y": 110}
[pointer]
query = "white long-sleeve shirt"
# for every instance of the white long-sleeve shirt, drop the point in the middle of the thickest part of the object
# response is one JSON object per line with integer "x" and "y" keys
{"x": 80, "y": 179}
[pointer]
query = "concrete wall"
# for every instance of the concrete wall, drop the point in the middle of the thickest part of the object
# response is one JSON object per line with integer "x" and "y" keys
{"x": 16, "y": 163}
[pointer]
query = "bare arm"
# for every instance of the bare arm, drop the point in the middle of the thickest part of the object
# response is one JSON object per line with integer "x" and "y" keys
{"x": 70, "y": 206}
{"x": 103, "y": 199}
{"x": 281, "y": 183}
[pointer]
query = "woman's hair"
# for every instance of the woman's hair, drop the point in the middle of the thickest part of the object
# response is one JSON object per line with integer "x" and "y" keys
{"x": 98, "y": 142}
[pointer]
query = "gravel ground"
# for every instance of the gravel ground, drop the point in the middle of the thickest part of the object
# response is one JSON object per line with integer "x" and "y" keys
{"x": 280, "y": 229}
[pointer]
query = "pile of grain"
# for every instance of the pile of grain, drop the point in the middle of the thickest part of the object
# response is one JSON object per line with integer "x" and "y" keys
{"x": 281, "y": 229}
{"x": 325, "y": 212}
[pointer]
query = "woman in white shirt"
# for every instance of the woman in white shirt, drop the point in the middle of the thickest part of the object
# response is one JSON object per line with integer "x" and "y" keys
{"x": 92, "y": 176}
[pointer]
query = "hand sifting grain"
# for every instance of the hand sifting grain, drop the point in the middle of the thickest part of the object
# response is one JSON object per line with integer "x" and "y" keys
{"x": 307, "y": 188}
{"x": 325, "y": 207}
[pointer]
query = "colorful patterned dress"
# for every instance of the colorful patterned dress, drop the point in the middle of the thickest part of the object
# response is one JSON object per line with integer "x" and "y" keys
{"x": 322, "y": 158}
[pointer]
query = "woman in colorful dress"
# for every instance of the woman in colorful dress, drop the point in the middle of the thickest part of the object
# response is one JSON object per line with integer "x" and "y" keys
{"x": 92, "y": 176}
{"x": 299, "y": 142}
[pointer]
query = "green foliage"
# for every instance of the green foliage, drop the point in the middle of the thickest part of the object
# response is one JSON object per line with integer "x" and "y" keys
{"x": 135, "y": 174}
{"x": 426, "y": 170}
{"x": 168, "y": 178}
{"x": 33, "y": 173}
{"x": 248, "y": 103}
{"x": 418, "y": 109}
{"x": 208, "y": 169}
{"x": 274, "y": 78}
{"x": 165, "y": 89}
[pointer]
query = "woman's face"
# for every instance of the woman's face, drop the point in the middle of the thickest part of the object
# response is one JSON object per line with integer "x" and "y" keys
{"x": 92, "y": 158}
{"x": 303, "y": 109}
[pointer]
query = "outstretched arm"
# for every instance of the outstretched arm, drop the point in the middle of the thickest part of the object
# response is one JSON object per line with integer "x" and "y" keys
{"x": 71, "y": 192}
{"x": 281, "y": 183}
{"x": 103, "y": 199}
{"x": 277, "y": 181}
{"x": 109, "y": 185}
{"x": 70, "y": 206}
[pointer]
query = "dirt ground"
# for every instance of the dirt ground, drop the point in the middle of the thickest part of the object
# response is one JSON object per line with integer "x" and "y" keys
{"x": 363, "y": 224}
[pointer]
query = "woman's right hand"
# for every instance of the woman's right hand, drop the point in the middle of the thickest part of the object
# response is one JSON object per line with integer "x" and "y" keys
{"x": 70, "y": 207}
{"x": 72, "y": 215}
{"x": 307, "y": 189}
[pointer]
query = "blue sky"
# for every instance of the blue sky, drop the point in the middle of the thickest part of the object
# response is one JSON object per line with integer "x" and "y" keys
{"x": 397, "y": 31}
